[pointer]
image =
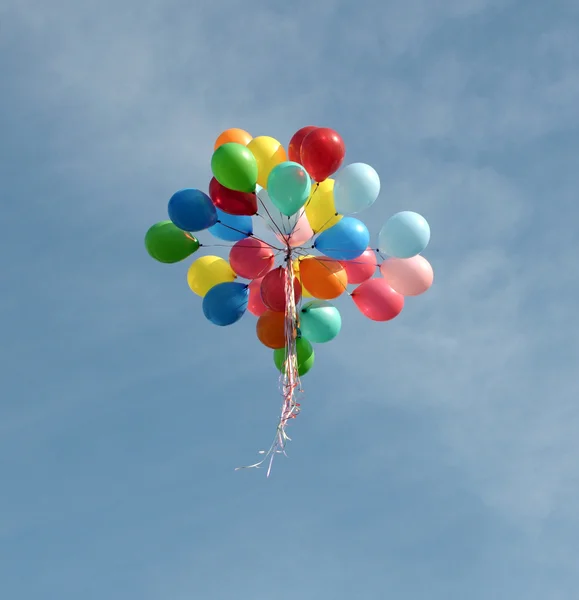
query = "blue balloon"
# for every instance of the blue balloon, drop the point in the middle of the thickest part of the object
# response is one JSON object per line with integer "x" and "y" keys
{"x": 192, "y": 210}
{"x": 404, "y": 235}
{"x": 225, "y": 303}
{"x": 346, "y": 240}
{"x": 231, "y": 228}
{"x": 356, "y": 187}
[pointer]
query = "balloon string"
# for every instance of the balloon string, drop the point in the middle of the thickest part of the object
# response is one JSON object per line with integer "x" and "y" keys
{"x": 270, "y": 217}
{"x": 289, "y": 379}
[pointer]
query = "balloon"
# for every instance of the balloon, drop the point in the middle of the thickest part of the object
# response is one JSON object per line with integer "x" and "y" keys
{"x": 289, "y": 187}
{"x": 207, "y": 272}
{"x": 234, "y": 166}
{"x": 294, "y": 150}
{"x": 226, "y": 303}
{"x": 324, "y": 278}
{"x": 167, "y": 243}
{"x": 251, "y": 258}
{"x": 270, "y": 328}
{"x": 404, "y": 235}
{"x": 273, "y": 289}
{"x": 230, "y": 201}
{"x": 255, "y": 305}
{"x": 346, "y": 240}
{"x": 192, "y": 210}
{"x": 301, "y": 233}
{"x": 305, "y": 356}
{"x": 377, "y": 300}
{"x": 238, "y": 136}
{"x": 320, "y": 321}
{"x": 362, "y": 268}
{"x": 296, "y": 267}
{"x": 408, "y": 276}
{"x": 320, "y": 209}
{"x": 322, "y": 153}
{"x": 231, "y": 228}
{"x": 356, "y": 188}
{"x": 268, "y": 153}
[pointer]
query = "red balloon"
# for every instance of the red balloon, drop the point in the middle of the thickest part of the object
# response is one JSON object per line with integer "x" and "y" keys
{"x": 231, "y": 201}
{"x": 255, "y": 304}
{"x": 377, "y": 300}
{"x": 362, "y": 268}
{"x": 251, "y": 258}
{"x": 322, "y": 153}
{"x": 294, "y": 150}
{"x": 273, "y": 289}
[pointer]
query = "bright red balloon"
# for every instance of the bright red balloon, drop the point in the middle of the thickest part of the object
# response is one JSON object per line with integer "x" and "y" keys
{"x": 273, "y": 289}
{"x": 255, "y": 304}
{"x": 231, "y": 201}
{"x": 251, "y": 258}
{"x": 294, "y": 150}
{"x": 362, "y": 268}
{"x": 322, "y": 153}
{"x": 377, "y": 300}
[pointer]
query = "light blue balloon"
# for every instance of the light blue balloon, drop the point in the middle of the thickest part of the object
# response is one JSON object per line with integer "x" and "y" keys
{"x": 192, "y": 210}
{"x": 289, "y": 186}
{"x": 356, "y": 187}
{"x": 404, "y": 235}
{"x": 320, "y": 321}
{"x": 225, "y": 303}
{"x": 231, "y": 228}
{"x": 346, "y": 240}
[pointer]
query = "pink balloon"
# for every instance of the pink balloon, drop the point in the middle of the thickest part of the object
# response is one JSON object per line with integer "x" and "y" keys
{"x": 302, "y": 232}
{"x": 255, "y": 304}
{"x": 273, "y": 289}
{"x": 251, "y": 258}
{"x": 408, "y": 276}
{"x": 377, "y": 300}
{"x": 362, "y": 268}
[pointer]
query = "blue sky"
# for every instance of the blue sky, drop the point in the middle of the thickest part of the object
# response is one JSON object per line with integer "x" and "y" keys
{"x": 436, "y": 456}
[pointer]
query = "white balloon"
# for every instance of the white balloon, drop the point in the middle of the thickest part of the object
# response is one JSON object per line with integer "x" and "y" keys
{"x": 276, "y": 221}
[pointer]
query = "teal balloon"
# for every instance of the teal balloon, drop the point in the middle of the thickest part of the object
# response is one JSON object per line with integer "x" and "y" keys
{"x": 356, "y": 187}
{"x": 320, "y": 321}
{"x": 404, "y": 235}
{"x": 289, "y": 186}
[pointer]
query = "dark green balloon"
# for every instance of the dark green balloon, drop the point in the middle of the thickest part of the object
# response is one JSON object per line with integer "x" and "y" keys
{"x": 235, "y": 167}
{"x": 167, "y": 243}
{"x": 305, "y": 352}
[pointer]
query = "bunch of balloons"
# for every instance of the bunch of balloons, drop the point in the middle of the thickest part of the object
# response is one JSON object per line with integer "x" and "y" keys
{"x": 319, "y": 250}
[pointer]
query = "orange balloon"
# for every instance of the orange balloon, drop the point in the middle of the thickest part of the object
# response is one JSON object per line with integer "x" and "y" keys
{"x": 323, "y": 277}
{"x": 239, "y": 136}
{"x": 270, "y": 329}
{"x": 296, "y": 262}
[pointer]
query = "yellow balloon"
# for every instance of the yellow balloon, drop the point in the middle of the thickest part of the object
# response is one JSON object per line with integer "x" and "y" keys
{"x": 320, "y": 208}
{"x": 208, "y": 271}
{"x": 296, "y": 265}
{"x": 268, "y": 153}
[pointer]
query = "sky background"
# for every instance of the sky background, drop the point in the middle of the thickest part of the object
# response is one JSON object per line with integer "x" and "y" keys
{"x": 437, "y": 456}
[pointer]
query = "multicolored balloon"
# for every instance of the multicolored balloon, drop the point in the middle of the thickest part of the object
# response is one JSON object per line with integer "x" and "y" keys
{"x": 319, "y": 252}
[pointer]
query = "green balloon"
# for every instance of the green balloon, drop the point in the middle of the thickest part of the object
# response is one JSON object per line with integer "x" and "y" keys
{"x": 320, "y": 321}
{"x": 305, "y": 353}
{"x": 235, "y": 167}
{"x": 167, "y": 243}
